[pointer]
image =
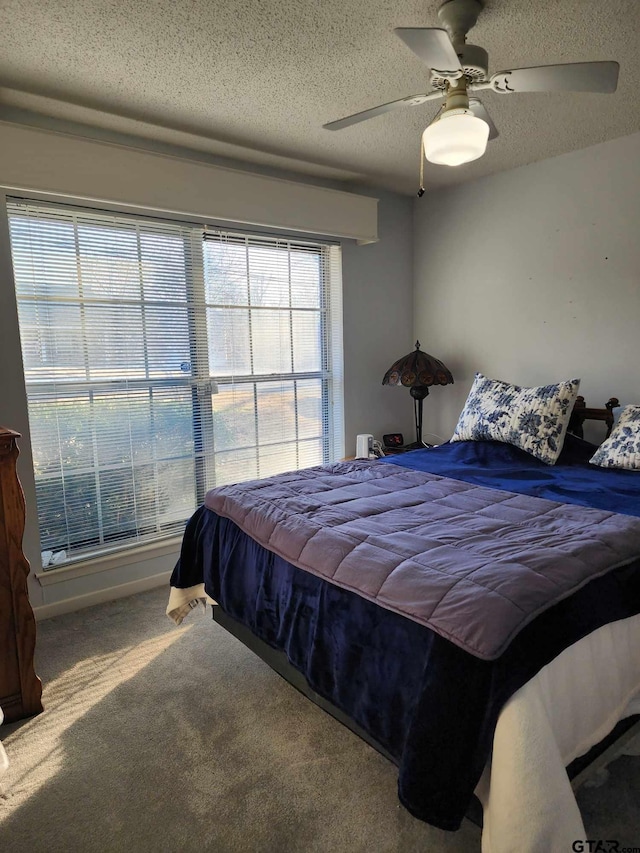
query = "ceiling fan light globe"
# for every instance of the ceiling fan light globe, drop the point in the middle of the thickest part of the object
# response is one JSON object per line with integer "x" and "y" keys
{"x": 455, "y": 139}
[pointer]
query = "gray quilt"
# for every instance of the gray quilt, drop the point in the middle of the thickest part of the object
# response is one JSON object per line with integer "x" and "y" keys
{"x": 473, "y": 564}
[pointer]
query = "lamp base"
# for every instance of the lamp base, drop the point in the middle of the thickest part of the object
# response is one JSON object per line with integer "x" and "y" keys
{"x": 418, "y": 392}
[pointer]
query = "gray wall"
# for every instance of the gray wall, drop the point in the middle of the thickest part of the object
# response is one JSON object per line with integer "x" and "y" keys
{"x": 533, "y": 275}
{"x": 378, "y": 290}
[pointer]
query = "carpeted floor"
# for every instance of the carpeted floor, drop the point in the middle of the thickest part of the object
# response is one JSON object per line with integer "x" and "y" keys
{"x": 157, "y": 738}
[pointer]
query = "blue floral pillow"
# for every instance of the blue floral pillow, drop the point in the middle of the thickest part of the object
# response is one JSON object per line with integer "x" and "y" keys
{"x": 622, "y": 448}
{"x": 533, "y": 419}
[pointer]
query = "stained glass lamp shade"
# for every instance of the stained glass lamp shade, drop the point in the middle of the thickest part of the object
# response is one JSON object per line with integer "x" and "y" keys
{"x": 418, "y": 371}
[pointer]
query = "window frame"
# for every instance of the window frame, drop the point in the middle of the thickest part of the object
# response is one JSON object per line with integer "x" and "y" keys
{"x": 125, "y": 553}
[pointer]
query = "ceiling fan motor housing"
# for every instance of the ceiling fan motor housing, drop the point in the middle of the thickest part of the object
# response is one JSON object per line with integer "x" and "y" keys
{"x": 474, "y": 61}
{"x": 475, "y": 65}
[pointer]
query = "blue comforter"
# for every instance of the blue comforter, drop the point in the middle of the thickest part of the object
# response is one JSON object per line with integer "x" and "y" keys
{"x": 431, "y": 705}
{"x": 501, "y": 466}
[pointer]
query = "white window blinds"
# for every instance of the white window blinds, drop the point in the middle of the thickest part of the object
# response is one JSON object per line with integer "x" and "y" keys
{"x": 160, "y": 363}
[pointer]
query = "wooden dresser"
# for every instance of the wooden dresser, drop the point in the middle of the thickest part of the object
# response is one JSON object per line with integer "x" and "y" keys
{"x": 20, "y": 688}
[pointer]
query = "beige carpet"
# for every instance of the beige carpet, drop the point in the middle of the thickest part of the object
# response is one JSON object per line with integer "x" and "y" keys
{"x": 157, "y": 738}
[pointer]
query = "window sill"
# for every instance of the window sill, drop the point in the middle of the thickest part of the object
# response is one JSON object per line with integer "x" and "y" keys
{"x": 105, "y": 562}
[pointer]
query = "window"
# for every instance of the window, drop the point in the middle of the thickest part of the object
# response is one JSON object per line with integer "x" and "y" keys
{"x": 160, "y": 362}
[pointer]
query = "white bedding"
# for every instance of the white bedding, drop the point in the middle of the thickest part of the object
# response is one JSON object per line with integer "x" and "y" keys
{"x": 182, "y": 601}
{"x": 570, "y": 705}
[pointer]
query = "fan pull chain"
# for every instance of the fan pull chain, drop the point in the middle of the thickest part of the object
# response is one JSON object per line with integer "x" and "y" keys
{"x": 421, "y": 189}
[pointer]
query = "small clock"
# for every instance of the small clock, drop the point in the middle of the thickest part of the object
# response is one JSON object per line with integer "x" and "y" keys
{"x": 393, "y": 439}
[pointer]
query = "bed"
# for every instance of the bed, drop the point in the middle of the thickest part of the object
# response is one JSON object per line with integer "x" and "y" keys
{"x": 492, "y": 706}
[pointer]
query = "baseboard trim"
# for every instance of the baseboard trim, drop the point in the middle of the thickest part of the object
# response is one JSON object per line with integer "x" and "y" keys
{"x": 100, "y": 596}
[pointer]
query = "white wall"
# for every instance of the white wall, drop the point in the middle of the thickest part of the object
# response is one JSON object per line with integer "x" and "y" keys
{"x": 377, "y": 294}
{"x": 533, "y": 275}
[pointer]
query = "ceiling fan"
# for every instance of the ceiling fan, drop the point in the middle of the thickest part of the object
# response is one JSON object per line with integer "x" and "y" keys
{"x": 460, "y": 131}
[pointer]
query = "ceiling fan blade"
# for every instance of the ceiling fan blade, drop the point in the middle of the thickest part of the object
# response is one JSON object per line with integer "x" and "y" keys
{"x": 573, "y": 77}
{"x": 409, "y": 101}
{"x": 479, "y": 111}
{"x": 433, "y": 46}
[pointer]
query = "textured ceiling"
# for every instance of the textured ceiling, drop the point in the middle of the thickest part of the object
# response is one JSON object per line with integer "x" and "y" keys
{"x": 256, "y": 80}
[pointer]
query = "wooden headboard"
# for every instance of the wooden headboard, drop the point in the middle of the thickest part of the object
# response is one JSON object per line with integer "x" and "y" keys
{"x": 581, "y": 413}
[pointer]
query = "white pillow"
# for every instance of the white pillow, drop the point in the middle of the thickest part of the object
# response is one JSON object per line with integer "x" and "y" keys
{"x": 533, "y": 419}
{"x": 622, "y": 448}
